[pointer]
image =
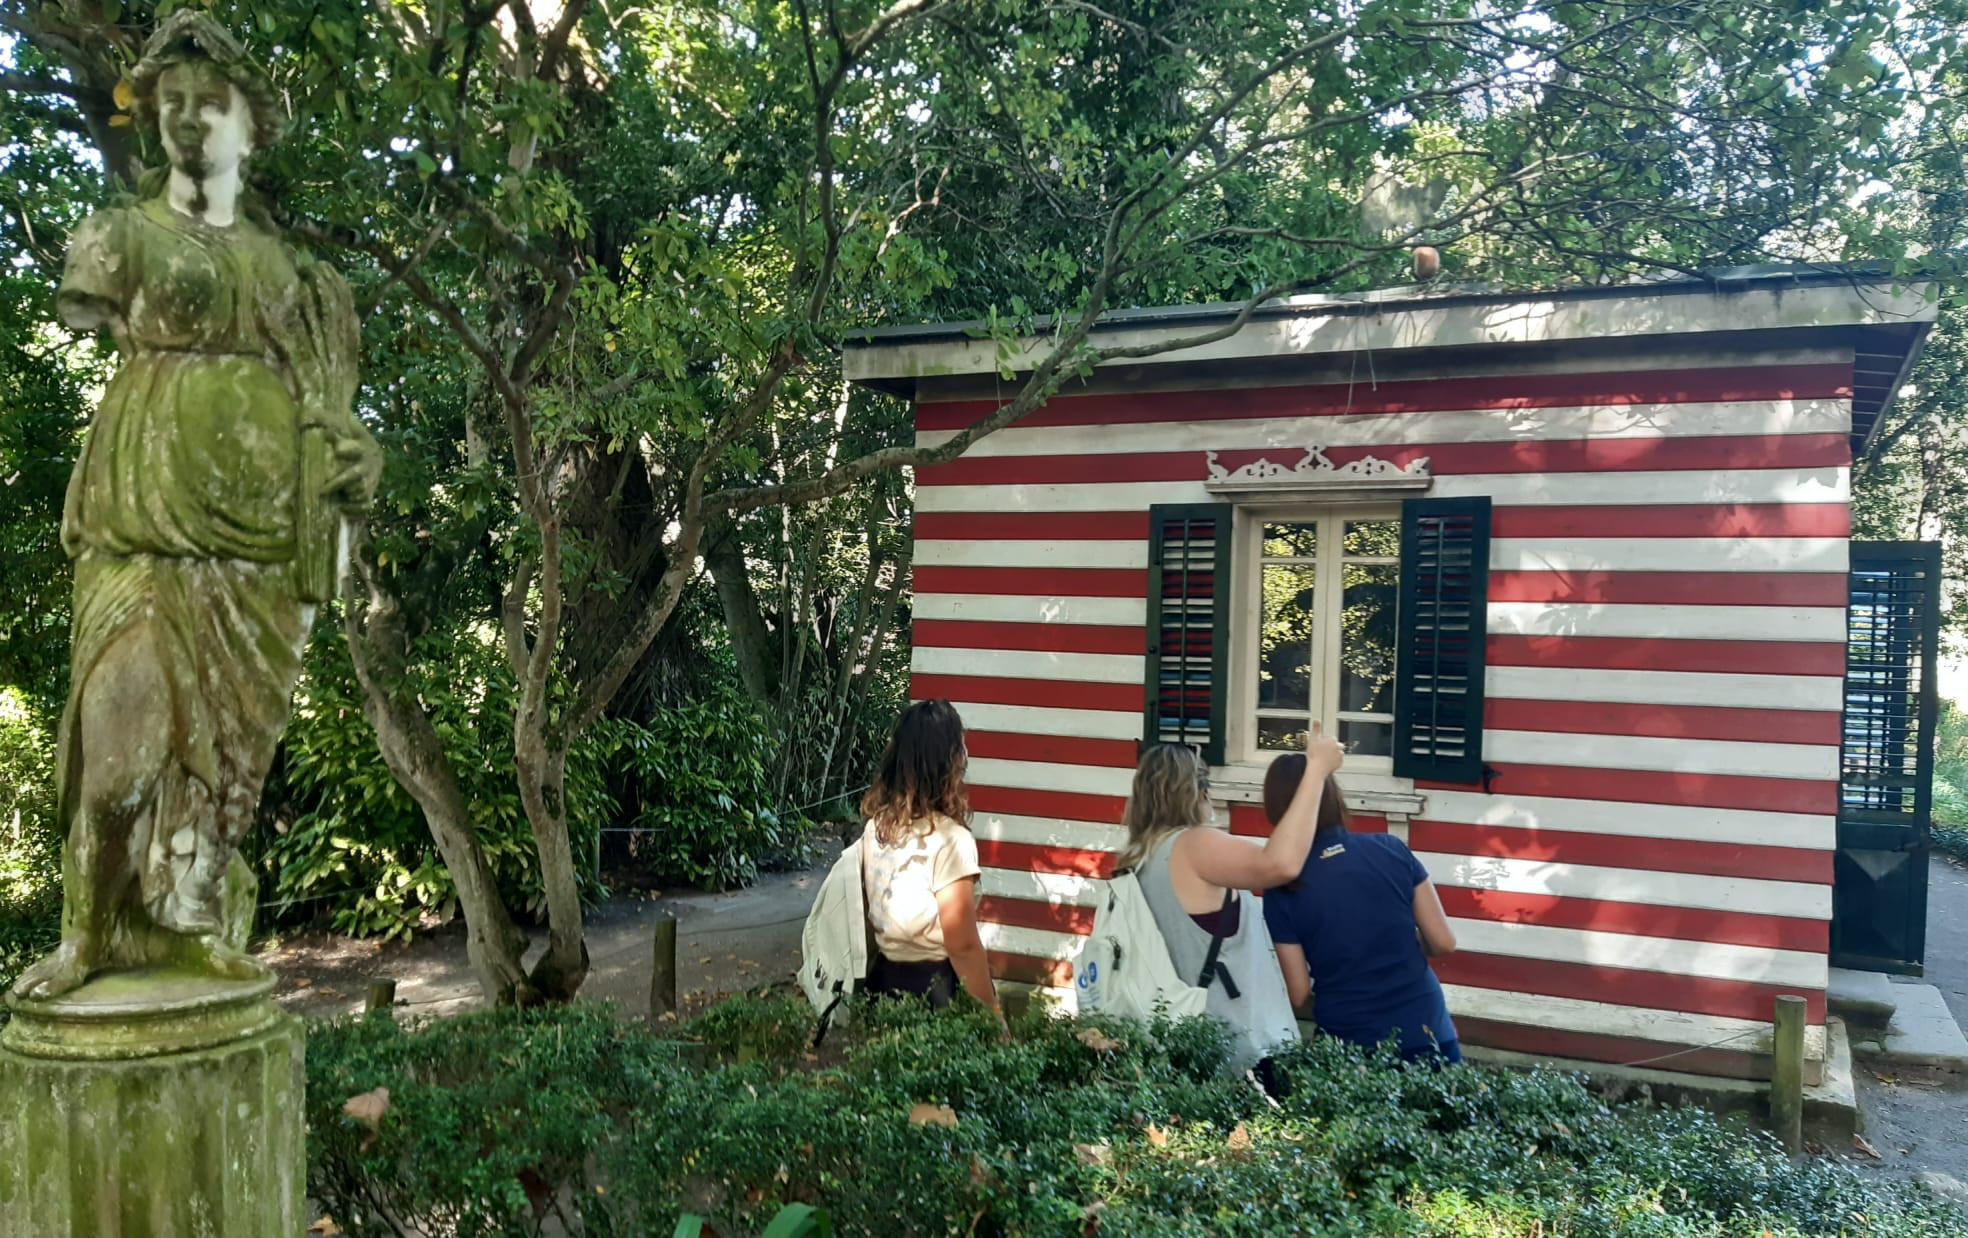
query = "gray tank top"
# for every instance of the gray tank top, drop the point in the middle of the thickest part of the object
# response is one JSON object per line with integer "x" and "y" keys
{"x": 1260, "y": 1016}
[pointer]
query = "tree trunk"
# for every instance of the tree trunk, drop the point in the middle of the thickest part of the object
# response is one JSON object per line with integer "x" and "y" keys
{"x": 724, "y": 555}
{"x": 1933, "y": 481}
{"x": 558, "y": 976}
{"x": 373, "y": 623}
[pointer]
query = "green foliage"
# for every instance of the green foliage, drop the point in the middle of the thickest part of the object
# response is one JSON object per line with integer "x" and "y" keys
{"x": 30, "y": 844}
{"x": 1950, "y": 815}
{"x": 696, "y": 773}
{"x": 1132, "y": 1132}
{"x": 349, "y": 836}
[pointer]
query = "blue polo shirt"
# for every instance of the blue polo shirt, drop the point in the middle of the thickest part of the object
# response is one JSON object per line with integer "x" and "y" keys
{"x": 1352, "y": 912}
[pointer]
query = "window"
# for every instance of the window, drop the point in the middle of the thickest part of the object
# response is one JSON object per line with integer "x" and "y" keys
{"x": 1323, "y": 590}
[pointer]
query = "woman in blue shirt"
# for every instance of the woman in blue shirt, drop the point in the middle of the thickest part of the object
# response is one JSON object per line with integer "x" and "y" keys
{"x": 1356, "y": 929}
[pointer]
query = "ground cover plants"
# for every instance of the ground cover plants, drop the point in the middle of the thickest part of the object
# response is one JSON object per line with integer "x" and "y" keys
{"x": 913, "y": 1123}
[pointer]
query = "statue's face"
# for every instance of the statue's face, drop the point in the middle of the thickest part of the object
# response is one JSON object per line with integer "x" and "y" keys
{"x": 203, "y": 118}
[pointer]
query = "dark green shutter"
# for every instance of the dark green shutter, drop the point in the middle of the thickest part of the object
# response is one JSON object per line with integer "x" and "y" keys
{"x": 1188, "y": 625}
{"x": 1438, "y": 683}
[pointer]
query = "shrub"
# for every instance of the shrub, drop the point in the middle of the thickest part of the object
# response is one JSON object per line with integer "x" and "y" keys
{"x": 1071, "y": 1128}
{"x": 30, "y": 844}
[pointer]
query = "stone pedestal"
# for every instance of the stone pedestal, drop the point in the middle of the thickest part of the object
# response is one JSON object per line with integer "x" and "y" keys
{"x": 152, "y": 1104}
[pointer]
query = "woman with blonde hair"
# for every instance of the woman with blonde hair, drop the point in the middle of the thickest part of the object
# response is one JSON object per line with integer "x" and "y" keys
{"x": 1197, "y": 880}
{"x": 919, "y": 864}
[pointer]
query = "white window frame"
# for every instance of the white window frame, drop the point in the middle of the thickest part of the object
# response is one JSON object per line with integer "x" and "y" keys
{"x": 1247, "y": 551}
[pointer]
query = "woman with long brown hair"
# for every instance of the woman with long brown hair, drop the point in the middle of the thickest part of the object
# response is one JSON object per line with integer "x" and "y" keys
{"x": 1356, "y": 927}
{"x": 1197, "y": 880}
{"x": 919, "y": 864}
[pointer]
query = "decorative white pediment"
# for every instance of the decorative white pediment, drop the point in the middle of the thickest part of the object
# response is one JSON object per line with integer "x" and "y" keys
{"x": 1315, "y": 476}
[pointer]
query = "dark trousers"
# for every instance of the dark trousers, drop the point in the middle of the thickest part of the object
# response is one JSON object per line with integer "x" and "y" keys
{"x": 933, "y": 980}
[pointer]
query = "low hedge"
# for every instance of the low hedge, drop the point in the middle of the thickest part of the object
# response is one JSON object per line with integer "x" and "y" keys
{"x": 924, "y": 1124}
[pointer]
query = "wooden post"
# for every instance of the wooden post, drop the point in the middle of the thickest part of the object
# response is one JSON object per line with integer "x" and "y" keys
{"x": 663, "y": 972}
{"x": 381, "y": 995}
{"x": 1787, "y": 1075}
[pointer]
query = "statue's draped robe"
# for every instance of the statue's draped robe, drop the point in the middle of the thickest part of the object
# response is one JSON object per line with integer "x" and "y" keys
{"x": 181, "y": 519}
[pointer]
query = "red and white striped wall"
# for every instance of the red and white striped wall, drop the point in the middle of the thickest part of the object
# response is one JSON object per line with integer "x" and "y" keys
{"x": 1666, "y": 645}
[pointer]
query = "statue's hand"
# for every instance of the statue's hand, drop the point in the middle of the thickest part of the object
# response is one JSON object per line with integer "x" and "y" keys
{"x": 359, "y": 466}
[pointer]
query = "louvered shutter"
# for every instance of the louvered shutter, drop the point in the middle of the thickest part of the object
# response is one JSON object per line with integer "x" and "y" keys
{"x": 1438, "y": 684}
{"x": 1188, "y": 625}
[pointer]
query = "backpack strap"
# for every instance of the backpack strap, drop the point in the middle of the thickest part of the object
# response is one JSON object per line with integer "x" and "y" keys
{"x": 1212, "y": 970}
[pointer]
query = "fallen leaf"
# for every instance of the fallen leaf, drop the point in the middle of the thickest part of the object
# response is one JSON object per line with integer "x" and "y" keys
{"x": 369, "y": 1107}
{"x": 1240, "y": 1140}
{"x": 325, "y": 1227}
{"x": 932, "y": 1115}
{"x": 704, "y": 960}
{"x": 1157, "y": 1136}
{"x": 1091, "y": 1154}
{"x": 1865, "y": 1147}
{"x": 1098, "y": 1041}
{"x": 302, "y": 982}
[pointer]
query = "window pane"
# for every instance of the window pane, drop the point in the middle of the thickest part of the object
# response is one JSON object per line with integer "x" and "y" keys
{"x": 1367, "y": 739}
{"x": 1366, "y": 639}
{"x": 1291, "y": 541}
{"x": 1373, "y": 537}
{"x": 1282, "y": 734}
{"x": 1284, "y": 657}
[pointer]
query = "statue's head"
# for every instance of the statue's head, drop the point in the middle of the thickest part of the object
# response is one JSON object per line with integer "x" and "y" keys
{"x": 211, "y": 104}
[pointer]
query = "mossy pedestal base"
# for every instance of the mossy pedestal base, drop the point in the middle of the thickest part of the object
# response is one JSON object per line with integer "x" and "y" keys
{"x": 152, "y": 1104}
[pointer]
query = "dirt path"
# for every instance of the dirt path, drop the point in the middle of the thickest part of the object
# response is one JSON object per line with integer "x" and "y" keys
{"x": 725, "y": 943}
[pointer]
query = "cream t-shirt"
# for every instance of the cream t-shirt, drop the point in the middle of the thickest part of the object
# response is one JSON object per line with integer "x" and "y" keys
{"x": 902, "y": 883}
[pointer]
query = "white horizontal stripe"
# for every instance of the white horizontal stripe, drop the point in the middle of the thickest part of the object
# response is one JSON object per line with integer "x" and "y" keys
{"x": 1039, "y": 943}
{"x": 1047, "y": 776}
{"x": 1637, "y": 821}
{"x": 1289, "y": 436}
{"x": 1007, "y": 827}
{"x": 1039, "y": 720}
{"x": 1014, "y": 608}
{"x": 1627, "y": 885}
{"x": 1097, "y": 552}
{"x": 1521, "y": 554}
{"x": 1674, "y": 756}
{"x": 1030, "y": 664}
{"x": 1669, "y": 554}
{"x": 1798, "y": 623}
{"x": 1625, "y": 489}
{"x": 1058, "y": 889}
{"x": 1623, "y": 687}
{"x": 1710, "y": 960}
{"x": 1604, "y": 1019}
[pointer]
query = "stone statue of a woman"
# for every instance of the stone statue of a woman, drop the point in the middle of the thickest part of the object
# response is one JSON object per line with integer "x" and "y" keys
{"x": 203, "y": 518}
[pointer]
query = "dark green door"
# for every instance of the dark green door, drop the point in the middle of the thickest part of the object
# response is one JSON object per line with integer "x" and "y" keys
{"x": 1886, "y": 763}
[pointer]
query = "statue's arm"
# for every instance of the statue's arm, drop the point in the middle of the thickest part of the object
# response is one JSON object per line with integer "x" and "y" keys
{"x": 95, "y": 288}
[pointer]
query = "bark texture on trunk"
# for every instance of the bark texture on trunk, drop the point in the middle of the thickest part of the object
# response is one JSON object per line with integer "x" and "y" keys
{"x": 751, "y": 643}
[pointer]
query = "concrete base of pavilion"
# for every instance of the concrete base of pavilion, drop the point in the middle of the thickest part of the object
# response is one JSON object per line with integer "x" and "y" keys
{"x": 1899, "y": 1026}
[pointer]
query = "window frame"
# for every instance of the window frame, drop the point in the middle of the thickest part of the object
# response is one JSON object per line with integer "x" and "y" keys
{"x": 1246, "y": 617}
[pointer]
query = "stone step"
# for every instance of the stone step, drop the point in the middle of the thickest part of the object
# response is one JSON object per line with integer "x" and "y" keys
{"x": 1921, "y": 1039}
{"x": 1864, "y": 999}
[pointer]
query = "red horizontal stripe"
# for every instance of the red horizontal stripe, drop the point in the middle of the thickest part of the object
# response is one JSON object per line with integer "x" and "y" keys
{"x": 1070, "y": 805}
{"x": 1713, "y": 453}
{"x": 1085, "y": 582}
{"x": 1747, "y": 657}
{"x": 1052, "y": 749}
{"x": 1769, "y": 726}
{"x": 1673, "y": 588}
{"x": 1033, "y": 914}
{"x": 1249, "y": 821}
{"x": 1052, "y": 693}
{"x": 1633, "y": 786}
{"x": 1622, "y": 1050}
{"x": 1035, "y": 858}
{"x": 1038, "y": 637}
{"x": 1663, "y": 855}
{"x": 1623, "y": 986}
{"x": 1034, "y": 526}
{"x": 1719, "y": 384}
{"x": 1645, "y": 920}
{"x": 1027, "y": 969}
{"x": 1693, "y": 520}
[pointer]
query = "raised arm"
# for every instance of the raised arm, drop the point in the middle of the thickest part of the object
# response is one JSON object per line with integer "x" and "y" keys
{"x": 1437, "y": 938}
{"x": 1230, "y": 862}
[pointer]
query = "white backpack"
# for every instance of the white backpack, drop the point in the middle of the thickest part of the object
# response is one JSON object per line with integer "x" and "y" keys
{"x": 834, "y": 943}
{"x": 1124, "y": 968}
